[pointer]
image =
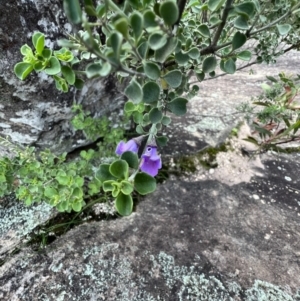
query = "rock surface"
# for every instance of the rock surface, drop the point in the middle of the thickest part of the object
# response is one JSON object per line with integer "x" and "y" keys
{"x": 34, "y": 112}
{"x": 195, "y": 238}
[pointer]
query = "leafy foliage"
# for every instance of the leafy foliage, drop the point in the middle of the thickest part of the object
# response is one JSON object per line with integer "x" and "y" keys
{"x": 157, "y": 47}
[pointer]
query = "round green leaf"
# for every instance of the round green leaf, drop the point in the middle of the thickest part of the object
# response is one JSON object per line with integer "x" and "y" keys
{"x": 79, "y": 83}
{"x": 162, "y": 54}
{"x": 173, "y": 78}
{"x": 166, "y": 120}
{"x": 244, "y": 55}
{"x": 103, "y": 173}
{"x": 144, "y": 183}
{"x": 157, "y": 40}
{"x": 162, "y": 141}
{"x": 68, "y": 74}
{"x": 131, "y": 158}
{"x": 241, "y": 23}
{"x": 22, "y": 70}
{"x": 124, "y": 204}
{"x": 168, "y": 10}
{"x": 54, "y": 66}
{"x": 194, "y": 53}
{"x": 151, "y": 92}
{"x": 93, "y": 69}
{"x": 178, "y": 106}
{"x": 47, "y": 53}
{"x": 209, "y": 64}
{"x": 283, "y": 29}
{"x": 121, "y": 25}
{"x": 245, "y": 9}
{"x": 239, "y": 39}
{"x": 77, "y": 206}
{"x": 155, "y": 115}
{"x": 181, "y": 58}
{"x": 149, "y": 19}
{"x": 134, "y": 91}
{"x": 152, "y": 70}
{"x": 229, "y": 66}
{"x": 204, "y": 31}
{"x": 73, "y": 11}
{"x": 137, "y": 23}
{"x": 35, "y": 38}
{"x": 129, "y": 107}
{"x": 126, "y": 187}
{"x": 215, "y": 4}
{"x": 119, "y": 169}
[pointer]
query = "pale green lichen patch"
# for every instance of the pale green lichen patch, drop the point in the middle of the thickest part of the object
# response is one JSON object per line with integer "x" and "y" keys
{"x": 17, "y": 221}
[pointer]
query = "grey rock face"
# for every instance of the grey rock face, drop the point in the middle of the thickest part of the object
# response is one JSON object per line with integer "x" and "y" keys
{"x": 33, "y": 112}
{"x": 193, "y": 239}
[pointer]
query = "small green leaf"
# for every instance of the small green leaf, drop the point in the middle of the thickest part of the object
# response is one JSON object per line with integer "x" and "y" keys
{"x": 244, "y": 55}
{"x": 22, "y": 70}
{"x": 53, "y": 67}
{"x": 137, "y": 24}
{"x": 49, "y": 192}
{"x": 97, "y": 69}
{"x": 162, "y": 141}
{"x": 103, "y": 173}
{"x": 245, "y": 9}
{"x": 129, "y": 107}
{"x": 149, "y": 19}
{"x": 162, "y": 54}
{"x": 229, "y": 66}
{"x": 40, "y": 44}
{"x": 121, "y": 25}
{"x": 64, "y": 55}
{"x": 144, "y": 183}
{"x": 77, "y": 206}
{"x": 119, "y": 169}
{"x": 215, "y": 4}
{"x": 173, "y": 78}
{"x": 209, "y": 64}
{"x": 204, "y": 31}
{"x": 283, "y": 29}
{"x": 151, "y": 92}
{"x": 109, "y": 185}
{"x": 35, "y": 38}
{"x": 168, "y": 10}
{"x": 73, "y": 11}
{"x": 124, "y": 204}
{"x": 143, "y": 49}
{"x": 126, "y": 187}
{"x": 155, "y": 115}
{"x": 166, "y": 120}
{"x": 131, "y": 158}
{"x": 79, "y": 83}
{"x": 134, "y": 92}
{"x": 194, "y": 53}
{"x": 26, "y": 50}
{"x": 116, "y": 43}
{"x": 157, "y": 40}
{"x": 178, "y": 106}
{"x": 241, "y": 23}
{"x": 68, "y": 74}
{"x": 151, "y": 70}
{"x": 181, "y": 58}
{"x": 239, "y": 39}
{"x": 46, "y": 54}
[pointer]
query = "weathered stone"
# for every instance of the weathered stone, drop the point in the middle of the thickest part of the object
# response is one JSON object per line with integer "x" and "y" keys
{"x": 34, "y": 112}
{"x": 195, "y": 238}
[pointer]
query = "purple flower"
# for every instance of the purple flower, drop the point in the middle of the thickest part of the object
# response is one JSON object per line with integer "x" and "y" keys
{"x": 151, "y": 161}
{"x": 130, "y": 145}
